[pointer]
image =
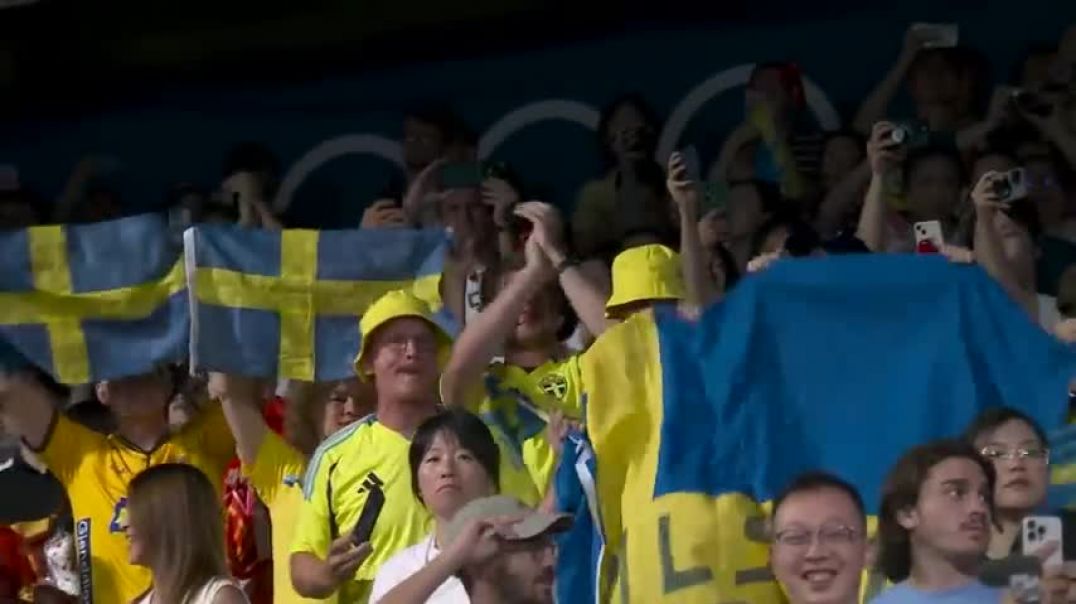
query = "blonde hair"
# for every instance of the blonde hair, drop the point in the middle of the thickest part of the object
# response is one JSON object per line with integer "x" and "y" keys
{"x": 176, "y": 512}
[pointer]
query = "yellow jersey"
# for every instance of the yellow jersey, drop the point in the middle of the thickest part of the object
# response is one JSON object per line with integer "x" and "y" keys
{"x": 333, "y": 497}
{"x": 516, "y": 403}
{"x": 95, "y": 470}
{"x": 276, "y": 476}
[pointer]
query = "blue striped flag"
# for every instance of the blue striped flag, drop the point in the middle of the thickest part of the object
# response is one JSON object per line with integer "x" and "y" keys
{"x": 96, "y": 301}
{"x": 839, "y": 364}
{"x": 287, "y": 303}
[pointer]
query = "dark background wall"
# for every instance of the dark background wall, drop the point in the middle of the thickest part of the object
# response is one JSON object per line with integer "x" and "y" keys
{"x": 166, "y": 88}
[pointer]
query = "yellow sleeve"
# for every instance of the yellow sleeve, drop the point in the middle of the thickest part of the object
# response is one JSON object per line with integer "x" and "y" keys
{"x": 312, "y": 533}
{"x": 66, "y": 444}
{"x": 275, "y": 463}
{"x": 214, "y": 437}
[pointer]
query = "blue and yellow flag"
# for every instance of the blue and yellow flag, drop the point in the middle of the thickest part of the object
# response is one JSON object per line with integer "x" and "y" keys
{"x": 96, "y": 301}
{"x": 287, "y": 303}
{"x": 839, "y": 364}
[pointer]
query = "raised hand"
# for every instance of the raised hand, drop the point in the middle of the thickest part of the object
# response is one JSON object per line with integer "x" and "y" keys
{"x": 548, "y": 231}
{"x": 345, "y": 558}
{"x": 501, "y": 197}
{"x": 883, "y": 153}
{"x": 384, "y": 214}
{"x": 684, "y": 190}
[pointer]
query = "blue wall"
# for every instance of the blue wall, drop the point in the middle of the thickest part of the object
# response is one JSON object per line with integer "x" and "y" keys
{"x": 182, "y": 134}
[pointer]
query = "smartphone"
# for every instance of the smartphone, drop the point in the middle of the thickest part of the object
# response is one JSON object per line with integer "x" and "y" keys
{"x": 928, "y": 237}
{"x": 371, "y": 510}
{"x": 692, "y": 166}
{"x": 461, "y": 175}
{"x": 1012, "y": 185}
{"x": 1031, "y": 103}
{"x": 937, "y": 35}
{"x": 1037, "y": 531}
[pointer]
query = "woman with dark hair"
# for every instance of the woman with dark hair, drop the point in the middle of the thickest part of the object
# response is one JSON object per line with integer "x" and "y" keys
{"x": 454, "y": 459}
{"x": 627, "y": 133}
{"x": 1016, "y": 445}
{"x": 934, "y": 525}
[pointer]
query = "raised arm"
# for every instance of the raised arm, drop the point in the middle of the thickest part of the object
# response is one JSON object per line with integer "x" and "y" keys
{"x": 885, "y": 157}
{"x": 989, "y": 249}
{"x": 477, "y": 543}
{"x": 483, "y": 336}
{"x": 241, "y": 399}
{"x": 876, "y": 105}
{"x": 584, "y": 293}
{"x": 701, "y": 289}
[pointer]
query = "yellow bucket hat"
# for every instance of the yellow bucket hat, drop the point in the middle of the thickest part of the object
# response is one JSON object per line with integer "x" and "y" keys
{"x": 646, "y": 272}
{"x": 399, "y": 304}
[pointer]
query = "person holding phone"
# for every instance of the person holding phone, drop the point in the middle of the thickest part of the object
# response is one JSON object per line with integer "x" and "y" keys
{"x": 928, "y": 181}
{"x": 341, "y": 541}
{"x": 454, "y": 460}
{"x": 1017, "y": 447}
{"x": 1004, "y": 237}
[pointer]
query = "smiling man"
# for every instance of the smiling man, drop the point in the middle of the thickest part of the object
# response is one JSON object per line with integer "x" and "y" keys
{"x": 934, "y": 526}
{"x": 819, "y": 540}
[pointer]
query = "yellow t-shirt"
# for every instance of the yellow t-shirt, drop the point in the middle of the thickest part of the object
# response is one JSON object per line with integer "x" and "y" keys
{"x": 515, "y": 403}
{"x": 95, "y": 470}
{"x": 333, "y": 497}
{"x": 276, "y": 476}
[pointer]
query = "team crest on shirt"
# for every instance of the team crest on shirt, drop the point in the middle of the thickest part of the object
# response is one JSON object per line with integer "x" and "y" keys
{"x": 119, "y": 517}
{"x": 554, "y": 385}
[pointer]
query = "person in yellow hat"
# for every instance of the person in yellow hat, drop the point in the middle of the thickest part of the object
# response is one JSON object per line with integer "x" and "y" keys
{"x": 401, "y": 353}
{"x": 643, "y": 276}
{"x": 538, "y": 376}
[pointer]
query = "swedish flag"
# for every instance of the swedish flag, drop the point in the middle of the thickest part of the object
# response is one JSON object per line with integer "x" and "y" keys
{"x": 838, "y": 364}
{"x": 94, "y": 302}
{"x": 287, "y": 303}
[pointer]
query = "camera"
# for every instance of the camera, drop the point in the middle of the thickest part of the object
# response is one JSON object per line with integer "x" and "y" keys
{"x": 912, "y": 135}
{"x": 1011, "y": 185}
{"x": 1031, "y": 103}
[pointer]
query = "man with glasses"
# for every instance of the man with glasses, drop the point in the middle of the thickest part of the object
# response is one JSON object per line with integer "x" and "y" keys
{"x": 400, "y": 354}
{"x": 819, "y": 547}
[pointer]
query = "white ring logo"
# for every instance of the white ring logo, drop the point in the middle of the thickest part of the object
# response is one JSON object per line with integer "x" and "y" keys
{"x": 572, "y": 111}
{"x": 347, "y": 144}
{"x": 551, "y": 109}
{"x": 720, "y": 82}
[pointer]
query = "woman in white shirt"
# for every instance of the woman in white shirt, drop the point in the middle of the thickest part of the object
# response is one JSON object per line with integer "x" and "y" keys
{"x": 454, "y": 460}
{"x": 175, "y": 530}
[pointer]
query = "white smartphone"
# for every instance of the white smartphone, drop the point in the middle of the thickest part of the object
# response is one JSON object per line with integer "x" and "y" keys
{"x": 937, "y": 35}
{"x": 928, "y": 237}
{"x": 1037, "y": 531}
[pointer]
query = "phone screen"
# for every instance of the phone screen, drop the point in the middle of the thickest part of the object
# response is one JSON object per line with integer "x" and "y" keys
{"x": 461, "y": 175}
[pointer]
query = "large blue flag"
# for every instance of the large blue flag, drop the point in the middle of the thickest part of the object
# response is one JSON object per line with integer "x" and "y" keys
{"x": 287, "y": 303}
{"x": 839, "y": 364}
{"x": 94, "y": 302}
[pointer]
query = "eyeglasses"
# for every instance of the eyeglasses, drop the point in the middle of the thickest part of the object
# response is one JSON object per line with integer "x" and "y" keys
{"x": 996, "y": 453}
{"x": 421, "y": 344}
{"x": 833, "y": 535}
